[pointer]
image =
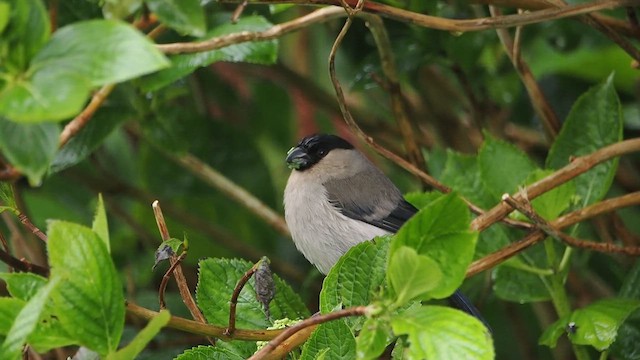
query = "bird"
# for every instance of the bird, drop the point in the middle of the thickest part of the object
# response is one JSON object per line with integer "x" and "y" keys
{"x": 336, "y": 198}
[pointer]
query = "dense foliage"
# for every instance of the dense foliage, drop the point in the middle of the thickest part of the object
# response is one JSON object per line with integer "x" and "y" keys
{"x": 108, "y": 105}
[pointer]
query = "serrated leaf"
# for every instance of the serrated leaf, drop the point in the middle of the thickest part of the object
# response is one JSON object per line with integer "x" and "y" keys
{"x": 411, "y": 275}
{"x": 372, "y": 339}
{"x": 503, "y": 167}
{"x": 100, "y": 225}
{"x": 554, "y": 202}
{"x": 441, "y": 231}
{"x": 184, "y": 16}
{"x": 257, "y": 52}
{"x": 23, "y": 286}
{"x": 462, "y": 174}
{"x": 519, "y": 286}
{"x": 26, "y": 321}
{"x": 596, "y": 325}
{"x": 103, "y": 51}
{"x": 141, "y": 340}
{"x": 334, "y": 336}
{"x": 216, "y": 282}
{"x": 90, "y": 303}
{"x": 436, "y": 332}
{"x": 32, "y": 160}
{"x": 595, "y": 121}
{"x": 356, "y": 277}
{"x": 209, "y": 353}
{"x": 422, "y": 199}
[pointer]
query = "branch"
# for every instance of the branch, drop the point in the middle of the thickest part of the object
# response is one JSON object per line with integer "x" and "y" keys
{"x": 578, "y": 166}
{"x": 75, "y": 125}
{"x": 22, "y": 265}
{"x": 265, "y": 352}
{"x": 198, "y": 328}
{"x": 533, "y": 238}
{"x": 231, "y": 327}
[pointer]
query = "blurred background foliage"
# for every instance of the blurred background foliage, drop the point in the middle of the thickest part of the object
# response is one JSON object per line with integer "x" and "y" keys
{"x": 243, "y": 107}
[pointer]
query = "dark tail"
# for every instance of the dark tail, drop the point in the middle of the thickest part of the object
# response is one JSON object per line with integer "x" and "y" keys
{"x": 459, "y": 301}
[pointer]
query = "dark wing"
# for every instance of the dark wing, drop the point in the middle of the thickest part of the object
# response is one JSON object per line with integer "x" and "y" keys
{"x": 372, "y": 198}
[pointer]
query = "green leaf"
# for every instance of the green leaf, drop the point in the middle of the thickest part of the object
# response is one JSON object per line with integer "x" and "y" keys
{"x": 462, "y": 174}
{"x": 257, "y": 52}
{"x": 90, "y": 304}
{"x": 421, "y": 199}
{"x": 441, "y": 231}
{"x": 184, "y": 16}
{"x": 216, "y": 282}
{"x": 595, "y": 121}
{"x": 7, "y": 197}
{"x": 26, "y": 321}
{"x": 519, "y": 286}
{"x": 90, "y": 137}
{"x": 141, "y": 340}
{"x": 356, "y": 277}
{"x": 503, "y": 167}
{"x": 436, "y": 332}
{"x": 372, "y": 339}
{"x": 120, "y": 9}
{"x": 334, "y": 336}
{"x": 27, "y": 31}
{"x": 103, "y": 51}
{"x": 209, "y": 353}
{"x": 411, "y": 275}
{"x": 100, "y": 225}
{"x": 45, "y": 94}
{"x": 23, "y": 286}
{"x": 32, "y": 160}
{"x": 9, "y": 310}
{"x": 596, "y": 325}
{"x": 554, "y": 202}
{"x": 5, "y": 9}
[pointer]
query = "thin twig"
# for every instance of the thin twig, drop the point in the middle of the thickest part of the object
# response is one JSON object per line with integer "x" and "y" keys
{"x": 605, "y": 206}
{"x": 576, "y": 167}
{"x": 238, "y": 11}
{"x": 198, "y": 328}
{"x": 549, "y": 229}
{"x": 29, "y": 225}
{"x": 465, "y": 25}
{"x": 165, "y": 279}
{"x": 181, "y": 280}
{"x": 22, "y": 265}
{"x": 538, "y": 99}
{"x": 314, "y": 320}
{"x": 231, "y": 327}
{"x": 75, "y": 125}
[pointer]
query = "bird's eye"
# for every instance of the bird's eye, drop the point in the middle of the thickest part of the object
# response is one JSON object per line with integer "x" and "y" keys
{"x": 322, "y": 152}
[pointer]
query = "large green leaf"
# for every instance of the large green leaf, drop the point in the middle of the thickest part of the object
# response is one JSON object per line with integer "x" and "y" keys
{"x": 209, "y": 353}
{"x": 436, "y": 332}
{"x": 103, "y": 51}
{"x": 331, "y": 340}
{"x": 26, "y": 321}
{"x": 372, "y": 339}
{"x": 185, "y": 16}
{"x": 356, "y": 277}
{"x": 462, "y": 174}
{"x": 9, "y": 310}
{"x": 90, "y": 302}
{"x": 216, "y": 281}
{"x": 441, "y": 231}
{"x": 261, "y": 52}
{"x": 32, "y": 160}
{"x": 595, "y": 121}
{"x": 411, "y": 275}
{"x": 23, "y": 286}
{"x": 596, "y": 325}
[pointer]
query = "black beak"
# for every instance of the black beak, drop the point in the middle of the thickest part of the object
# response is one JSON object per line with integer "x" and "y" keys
{"x": 297, "y": 158}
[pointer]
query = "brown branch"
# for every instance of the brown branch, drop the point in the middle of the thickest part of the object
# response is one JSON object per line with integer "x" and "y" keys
{"x": 165, "y": 279}
{"x": 599, "y": 247}
{"x": 198, "y": 328}
{"x": 23, "y": 265}
{"x": 314, "y": 320}
{"x": 29, "y": 225}
{"x": 578, "y": 166}
{"x": 75, "y": 125}
{"x": 533, "y": 238}
{"x": 181, "y": 280}
{"x": 381, "y": 38}
{"x": 465, "y": 25}
{"x": 538, "y": 99}
{"x": 238, "y": 11}
{"x": 231, "y": 327}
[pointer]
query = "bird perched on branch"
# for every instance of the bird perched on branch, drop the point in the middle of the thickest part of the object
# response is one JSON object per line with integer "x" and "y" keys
{"x": 336, "y": 198}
